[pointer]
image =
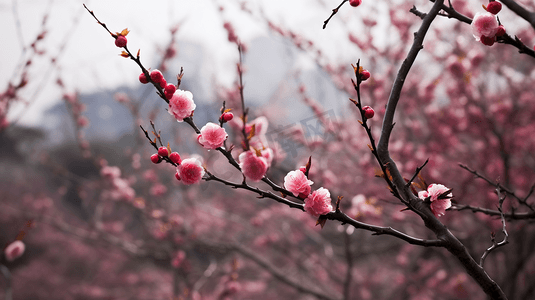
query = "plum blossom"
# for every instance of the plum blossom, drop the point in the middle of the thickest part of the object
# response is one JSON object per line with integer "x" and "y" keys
{"x": 438, "y": 206}
{"x": 181, "y": 105}
{"x": 484, "y": 24}
{"x": 259, "y": 140}
{"x": 190, "y": 171}
{"x": 297, "y": 183}
{"x": 319, "y": 202}
{"x": 212, "y": 136}
{"x": 254, "y": 167}
{"x": 14, "y": 250}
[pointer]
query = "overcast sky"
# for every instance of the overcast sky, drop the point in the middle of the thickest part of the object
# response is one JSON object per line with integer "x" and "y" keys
{"x": 90, "y": 62}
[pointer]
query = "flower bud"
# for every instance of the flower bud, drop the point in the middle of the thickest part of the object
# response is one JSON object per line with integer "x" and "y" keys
{"x": 162, "y": 151}
{"x": 175, "y": 157}
{"x": 494, "y": 7}
{"x": 368, "y": 112}
{"x": 355, "y": 3}
{"x": 155, "y": 158}
{"x": 120, "y": 41}
{"x": 143, "y": 79}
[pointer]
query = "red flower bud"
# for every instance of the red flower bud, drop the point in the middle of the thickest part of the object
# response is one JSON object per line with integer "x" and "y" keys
{"x": 155, "y": 158}
{"x": 501, "y": 31}
{"x": 227, "y": 116}
{"x": 488, "y": 41}
{"x": 162, "y": 151}
{"x": 364, "y": 75}
{"x": 368, "y": 112}
{"x": 143, "y": 79}
{"x": 494, "y": 7}
{"x": 120, "y": 41}
{"x": 175, "y": 157}
{"x": 156, "y": 76}
{"x": 355, "y": 3}
{"x": 169, "y": 91}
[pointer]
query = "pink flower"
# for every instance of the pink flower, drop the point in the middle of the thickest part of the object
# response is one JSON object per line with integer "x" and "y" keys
{"x": 297, "y": 183}
{"x": 190, "y": 170}
{"x": 319, "y": 202}
{"x": 267, "y": 153}
{"x": 253, "y": 167}
{"x": 484, "y": 24}
{"x": 212, "y": 136}
{"x": 14, "y": 250}
{"x": 181, "y": 105}
{"x": 438, "y": 206}
{"x": 110, "y": 172}
{"x": 178, "y": 258}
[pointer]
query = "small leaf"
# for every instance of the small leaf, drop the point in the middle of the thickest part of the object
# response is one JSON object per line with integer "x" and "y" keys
{"x": 227, "y": 110}
{"x": 124, "y": 54}
{"x": 445, "y": 195}
{"x": 252, "y": 133}
{"x": 371, "y": 148}
{"x": 168, "y": 148}
{"x": 308, "y": 165}
{"x": 124, "y": 32}
{"x": 258, "y": 152}
{"x": 388, "y": 174}
{"x": 360, "y": 122}
{"x": 138, "y": 50}
{"x": 379, "y": 173}
{"x": 321, "y": 221}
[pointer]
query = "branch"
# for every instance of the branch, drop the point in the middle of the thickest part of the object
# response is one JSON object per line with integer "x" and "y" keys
{"x": 335, "y": 11}
{"x": 7, "y": 276}
{"x": 514, "y": 41}
{"x": 349, "y": 265}
{"x": 509, "y": 216}
{"x": 522, "y": 201}
{"x": 379, "y": 230}
{"x": 520, "y": 11}
{"x": 493, "y": 236}
{"x": 275, "y": 272}
{"x": 452, "y": 244}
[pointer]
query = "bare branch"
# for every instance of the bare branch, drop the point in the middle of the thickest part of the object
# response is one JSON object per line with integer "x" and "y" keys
{"x": 493, "y": 236}
{"x": 335, "y": 10}
{"x": 520, "y": 11}
{"x": 275, "y": 272}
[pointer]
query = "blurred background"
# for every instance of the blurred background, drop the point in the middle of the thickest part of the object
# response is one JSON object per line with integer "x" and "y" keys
{"x": 100, "y": 221}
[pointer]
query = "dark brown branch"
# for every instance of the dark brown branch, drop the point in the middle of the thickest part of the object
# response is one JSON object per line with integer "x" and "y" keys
{"x": 379, "y": 230}
{"x": 418, "y": 170}
{"x": 505, "y": 39}
{"x": 349, "y": 264}
{"x": 334, "y": 12}
{"x": 508, "y": 216}
{"x": 452, "y": 244}
{"x": 522, "y": 201}
{"x": 7, "y": 276}
{"x": 493, "y": 236}
{"x": 520, "y": 11}
{"x": 275, "y": 272}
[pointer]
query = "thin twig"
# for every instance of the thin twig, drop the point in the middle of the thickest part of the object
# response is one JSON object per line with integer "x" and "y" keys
{"x": 9, "y": 287}
{"x": 418, "y": 170}
{"x": 522, "y": 201}
{"x": 334, "y": 12}
{"x": 493, "y": 236}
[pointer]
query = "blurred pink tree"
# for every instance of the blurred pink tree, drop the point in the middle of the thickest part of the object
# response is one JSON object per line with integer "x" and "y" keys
{"x": 456, "y": 168}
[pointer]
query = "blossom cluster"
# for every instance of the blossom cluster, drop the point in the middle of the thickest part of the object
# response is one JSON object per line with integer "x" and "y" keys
{"x": 485, "y": 26}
